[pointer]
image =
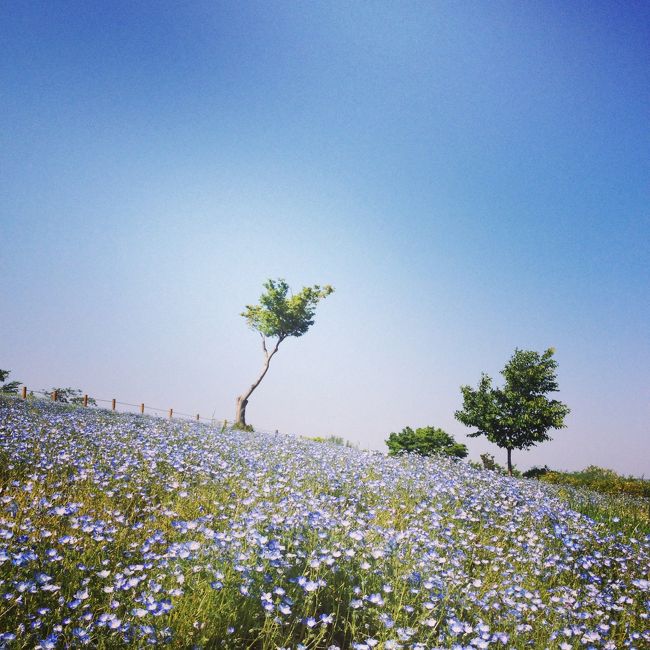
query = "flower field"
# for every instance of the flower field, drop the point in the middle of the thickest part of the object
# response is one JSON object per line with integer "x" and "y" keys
{"x": 127, "y": 530}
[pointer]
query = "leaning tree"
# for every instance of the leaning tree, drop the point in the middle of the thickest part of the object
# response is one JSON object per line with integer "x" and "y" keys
{"x": 278, "y": 316}
{"x": 520, "y": 414}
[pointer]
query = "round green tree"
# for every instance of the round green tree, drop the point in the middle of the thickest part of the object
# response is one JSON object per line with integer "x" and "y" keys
{"x": 520, "y": 414}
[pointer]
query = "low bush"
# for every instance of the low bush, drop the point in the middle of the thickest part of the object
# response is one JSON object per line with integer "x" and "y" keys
{"x": 332, "y": 440}
{"x": 425, "y": 441}
{"x": 600, "y": 479}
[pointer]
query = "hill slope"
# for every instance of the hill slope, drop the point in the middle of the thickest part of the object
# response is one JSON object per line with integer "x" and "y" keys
{"x": 118, "y": 529}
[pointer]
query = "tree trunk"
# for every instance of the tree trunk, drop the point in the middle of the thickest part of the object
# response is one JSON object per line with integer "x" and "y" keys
{"x": 509, "y": 461}
{"x": 240, "y": 414}
{"x": 242, "y": 400}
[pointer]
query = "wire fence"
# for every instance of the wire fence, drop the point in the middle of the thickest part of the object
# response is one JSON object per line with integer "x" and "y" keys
{"x": 75, "y": 398}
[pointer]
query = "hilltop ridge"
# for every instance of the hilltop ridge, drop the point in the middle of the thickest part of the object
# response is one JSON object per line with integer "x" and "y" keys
{"x": 119, "y": 529}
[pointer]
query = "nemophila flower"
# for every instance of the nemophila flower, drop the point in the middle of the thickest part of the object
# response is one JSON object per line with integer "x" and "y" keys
{"x": 376, "y": 599}
{"x": 405, "y": 633}
{"x": 49, "y": 643}
{"x": 81, "y": 636}
{"x": 496, "y": 561}
{"x": 82, "y": 594}
{"x": 391, "y": 644}
{"x": 501, "y": 637}
{"x": 386, "y": 620}
{"x": 590, "y": 637}
{"x": 267, "y": 602}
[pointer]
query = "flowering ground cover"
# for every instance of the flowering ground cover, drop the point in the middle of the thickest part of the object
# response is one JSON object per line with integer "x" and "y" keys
{"x": 119, "y": 529}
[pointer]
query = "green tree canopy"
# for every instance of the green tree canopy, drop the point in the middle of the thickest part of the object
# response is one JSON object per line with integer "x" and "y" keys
{"x": 520, "y": 414}
{"x": 278, "y": 316}
{"x": 425, "y": 441}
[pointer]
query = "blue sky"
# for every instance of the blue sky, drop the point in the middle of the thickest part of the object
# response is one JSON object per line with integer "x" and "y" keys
{"x": 471, "y": 177}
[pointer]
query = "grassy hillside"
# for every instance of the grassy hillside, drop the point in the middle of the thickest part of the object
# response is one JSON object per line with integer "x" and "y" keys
{"x": 120, "y": 529}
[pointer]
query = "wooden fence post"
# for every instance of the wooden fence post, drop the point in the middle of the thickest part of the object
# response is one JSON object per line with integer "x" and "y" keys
{"x": 197, "y": 417}
{"x": 113, "y": 405}
{"x": 24, "y": 392}
{"x": 142, "y": 408}
{"x": 85, "y": 400}
{"x": 171, "y": 413}
{"x": 55, "y": 395}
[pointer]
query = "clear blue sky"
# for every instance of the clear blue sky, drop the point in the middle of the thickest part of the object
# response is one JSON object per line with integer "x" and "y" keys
{"x": 471, "y": 177}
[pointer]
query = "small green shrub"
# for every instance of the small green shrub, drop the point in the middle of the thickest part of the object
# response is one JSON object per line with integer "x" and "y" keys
{"x": 602, "y": 480}
{"x": 536, "y": 472}
{"x": 491, "y": 464}
{"x": 488, "y": 462}
{"x": 8, "y": 387}
{"x": 70, "y": 396}
{"x": 332, "y": 440}
{"x": 241, "y": 427}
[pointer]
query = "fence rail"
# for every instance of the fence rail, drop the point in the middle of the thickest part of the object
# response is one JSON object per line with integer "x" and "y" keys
{"x": 87, "y": 401}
